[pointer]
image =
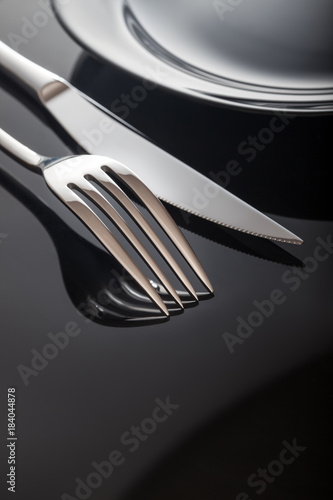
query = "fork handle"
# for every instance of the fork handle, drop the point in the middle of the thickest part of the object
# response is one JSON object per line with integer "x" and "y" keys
{"x": 20, "y": 152}
{"x": 28, "y": 75}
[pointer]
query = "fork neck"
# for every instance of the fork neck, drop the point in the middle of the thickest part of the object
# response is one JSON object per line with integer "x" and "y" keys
{"x": 21, "y": 153}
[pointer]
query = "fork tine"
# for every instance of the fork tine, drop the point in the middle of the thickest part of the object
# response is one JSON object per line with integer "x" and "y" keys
{"x": 102, "y": 178}
{"x": 162, "y": 216}
{"x": 89, "y": 190}
{"x": 99, "y": 229}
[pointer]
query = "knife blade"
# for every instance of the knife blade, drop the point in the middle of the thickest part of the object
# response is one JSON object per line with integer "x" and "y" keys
{"x": 98, "y": 131}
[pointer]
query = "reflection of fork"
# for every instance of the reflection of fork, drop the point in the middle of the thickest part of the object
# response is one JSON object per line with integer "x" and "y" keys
{"x": 66, "y": 174}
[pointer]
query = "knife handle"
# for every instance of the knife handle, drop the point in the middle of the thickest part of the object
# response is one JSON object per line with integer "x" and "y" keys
{"x": 28, "y": 75}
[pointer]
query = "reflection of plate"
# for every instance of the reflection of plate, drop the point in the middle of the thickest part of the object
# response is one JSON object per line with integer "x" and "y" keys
{"x": 258, "y": 54}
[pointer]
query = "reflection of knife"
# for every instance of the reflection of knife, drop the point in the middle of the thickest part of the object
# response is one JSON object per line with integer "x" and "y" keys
{"x": 99, "y": 132}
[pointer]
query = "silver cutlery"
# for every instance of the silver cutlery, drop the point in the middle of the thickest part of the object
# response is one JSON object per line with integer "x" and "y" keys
{"x": 95, "y": 129}
{"x": 97, "y": 284}
{"x": 67, "y": 176}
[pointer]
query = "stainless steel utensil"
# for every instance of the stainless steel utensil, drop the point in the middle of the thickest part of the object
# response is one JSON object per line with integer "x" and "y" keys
{"x": 97, "y": 284}
{"x": 99, "y": 132}
{"x": 67, "y": 176}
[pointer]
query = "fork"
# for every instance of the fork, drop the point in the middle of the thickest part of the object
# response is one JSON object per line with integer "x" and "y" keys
{"x": 65, "y": 176}
{"x": 98, "y": 286}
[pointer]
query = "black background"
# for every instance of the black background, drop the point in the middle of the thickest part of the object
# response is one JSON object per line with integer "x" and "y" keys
{"x": 235, "y": 409}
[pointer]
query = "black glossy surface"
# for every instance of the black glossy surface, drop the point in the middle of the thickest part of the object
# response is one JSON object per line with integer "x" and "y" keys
{"x": 235, "y": 409}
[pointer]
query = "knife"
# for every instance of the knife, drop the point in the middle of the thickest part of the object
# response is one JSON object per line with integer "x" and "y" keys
{"x": 98, "y": 131}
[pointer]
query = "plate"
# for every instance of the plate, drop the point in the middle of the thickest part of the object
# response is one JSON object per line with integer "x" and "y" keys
{"x": 259, "y": 55}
